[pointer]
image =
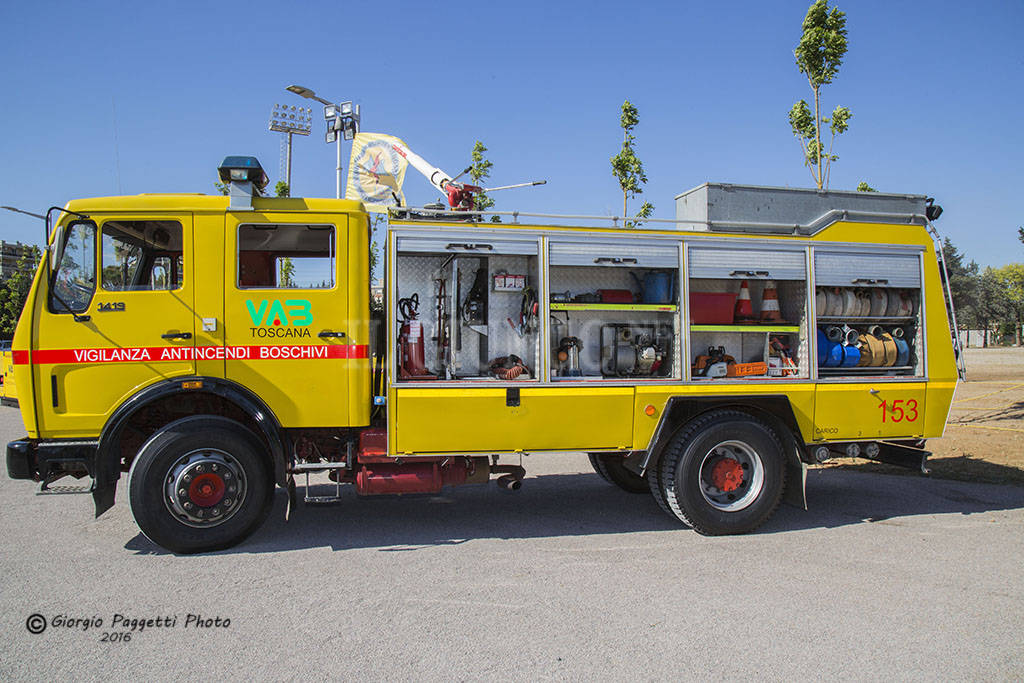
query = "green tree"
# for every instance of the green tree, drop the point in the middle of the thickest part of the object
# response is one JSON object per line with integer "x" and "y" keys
{"x": 282, "y": 189}
{"x": 14, "y": 291}
{"x": 990, "y": 304}
{"x": 819, "y": 55}
{"x": 377, "y": 220}
{"x": 627, "y": 167}
{"x": 1011, "y": 278}
{"x": 963, "y": 282}
{"x": 287, "y": 273}
{"x": 864, "y": 187}
{"x": 479, "y": 170}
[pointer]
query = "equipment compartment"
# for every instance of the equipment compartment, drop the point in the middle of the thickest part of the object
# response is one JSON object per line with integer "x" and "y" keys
{"x": 452, "y": 323}
{"x": 748, "y": 313}
{"x": 614, "y": 310}
{"x": 868, "y": 313}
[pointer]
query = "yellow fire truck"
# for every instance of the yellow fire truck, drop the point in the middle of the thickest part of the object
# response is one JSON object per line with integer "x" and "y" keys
{"x": 214, "y": 347}
{"x": 8, "y": 388}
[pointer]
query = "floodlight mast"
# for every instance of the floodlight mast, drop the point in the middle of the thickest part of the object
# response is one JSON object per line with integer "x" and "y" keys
{"x": 290, "y": 120}
{"x": 342, "y": 122}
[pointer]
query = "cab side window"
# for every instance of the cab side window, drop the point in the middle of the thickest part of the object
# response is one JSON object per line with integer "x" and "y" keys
{"x": 141, "y": 256}
{"x": 286, "y": 256}
{"x": 74, "y": 278}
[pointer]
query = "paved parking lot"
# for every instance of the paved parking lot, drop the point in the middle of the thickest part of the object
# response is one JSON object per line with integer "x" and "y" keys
{"x": 569, "y": 578}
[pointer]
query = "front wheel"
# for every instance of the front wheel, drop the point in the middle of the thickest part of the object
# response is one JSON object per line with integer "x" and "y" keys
{"x": 200, "y": 484}
{"x": 723, "y": 473}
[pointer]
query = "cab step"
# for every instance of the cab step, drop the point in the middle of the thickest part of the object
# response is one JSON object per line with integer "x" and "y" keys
{"x": 67, "y": 489}
{"x": 306, "y": 468}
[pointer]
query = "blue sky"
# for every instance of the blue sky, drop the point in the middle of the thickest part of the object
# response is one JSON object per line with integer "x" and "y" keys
{"x": 108, "y": 98}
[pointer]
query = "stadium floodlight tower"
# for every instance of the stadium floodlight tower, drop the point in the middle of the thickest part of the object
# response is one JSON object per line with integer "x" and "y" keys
{"x": 341, "y": 118}
{"x": 290, "y": 120}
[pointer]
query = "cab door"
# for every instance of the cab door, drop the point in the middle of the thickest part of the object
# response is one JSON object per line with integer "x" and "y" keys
{"x": 288, "y": 334}
{"x": 117, "y": 318}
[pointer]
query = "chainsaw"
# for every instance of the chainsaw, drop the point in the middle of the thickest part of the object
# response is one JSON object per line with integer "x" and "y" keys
{"x": 713, "y": 364}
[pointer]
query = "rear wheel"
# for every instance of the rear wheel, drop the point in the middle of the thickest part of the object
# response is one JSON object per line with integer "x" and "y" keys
{"x": 612, "y": 470}
{"x": 200, "y": 484}
{"x": 653, "y": 477}
{"x": 723, "y": 473}
{"x": 598, "y": 467}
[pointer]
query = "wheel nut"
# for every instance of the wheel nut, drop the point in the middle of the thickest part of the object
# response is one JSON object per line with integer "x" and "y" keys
{"x": 213, "y": 467}
{"x": 188, "y": 506}
{"x": 215, "y": 511}
{"x": 228, "y": 502}
{"x": 231, "y": 489}
{"x": 199, "y": 468}
{"x": 227, "y": 475}
{"x": 187, "y": 478}
{"x": 182, "y": 493}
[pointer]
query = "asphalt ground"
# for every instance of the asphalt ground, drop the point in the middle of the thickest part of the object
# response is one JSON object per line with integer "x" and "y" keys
{"x": 886, "y": 577}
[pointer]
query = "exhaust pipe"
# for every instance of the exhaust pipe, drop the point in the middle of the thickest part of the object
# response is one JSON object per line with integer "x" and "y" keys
{"x": 510, "y": 483}
{"x": 512, "y": 476}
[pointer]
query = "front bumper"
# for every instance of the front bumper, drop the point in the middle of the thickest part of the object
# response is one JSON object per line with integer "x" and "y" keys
{"x": 42, "y": 460}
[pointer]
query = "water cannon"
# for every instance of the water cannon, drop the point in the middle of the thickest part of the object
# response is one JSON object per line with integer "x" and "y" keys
{"x": 461, "y": 196}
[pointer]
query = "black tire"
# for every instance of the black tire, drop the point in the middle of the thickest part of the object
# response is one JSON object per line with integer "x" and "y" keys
{"x": 611, "y": 469}
{"x": 228, "y": 458}
{"x": 598, "y": 467}
{"x": 723, "y": 473}
{"x": 653, "y": 477}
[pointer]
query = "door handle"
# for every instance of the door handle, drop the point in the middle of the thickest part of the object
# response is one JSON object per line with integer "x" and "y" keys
{"x": 177, "y": 335}
{"x": 751, "y": 273}
{"x": 614, "y": 260}
{"x": 325, "y": 334}
{"x": 470, "y": 247}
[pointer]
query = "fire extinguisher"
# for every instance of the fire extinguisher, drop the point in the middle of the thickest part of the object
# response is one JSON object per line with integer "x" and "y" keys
{"x": 411, "y": 363}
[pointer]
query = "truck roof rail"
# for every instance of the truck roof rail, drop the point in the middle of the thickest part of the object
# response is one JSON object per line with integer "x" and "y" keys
{"x": 810, "y": 228}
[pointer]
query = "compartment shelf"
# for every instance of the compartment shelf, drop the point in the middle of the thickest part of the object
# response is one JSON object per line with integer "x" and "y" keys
{"x": 664, "y": 308}
{"x": 866, "y": 319}
{"x": 780, "y": 329}
{"x": 880, "y": 369}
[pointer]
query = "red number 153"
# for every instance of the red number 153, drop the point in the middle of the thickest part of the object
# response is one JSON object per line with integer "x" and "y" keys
{"x": 900, "y": 410}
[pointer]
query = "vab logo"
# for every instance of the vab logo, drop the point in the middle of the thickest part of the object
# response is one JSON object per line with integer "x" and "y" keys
{"x": 296, "y": 312}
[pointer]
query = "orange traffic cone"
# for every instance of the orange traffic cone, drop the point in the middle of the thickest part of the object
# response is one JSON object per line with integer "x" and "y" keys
{"x": 770, "y": 303}
{"x": 744, "y": 311}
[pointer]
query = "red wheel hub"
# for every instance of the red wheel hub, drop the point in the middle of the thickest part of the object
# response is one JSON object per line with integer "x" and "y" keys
{"x": 727, "y": 474}
{"x": 206, "y": 490}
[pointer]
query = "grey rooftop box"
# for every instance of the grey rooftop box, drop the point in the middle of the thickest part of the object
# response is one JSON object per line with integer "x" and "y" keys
{"x": 786, "y": 210}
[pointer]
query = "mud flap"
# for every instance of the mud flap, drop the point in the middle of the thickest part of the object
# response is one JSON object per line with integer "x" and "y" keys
{"x": 103, "y": 497}
{"x": 795, "y": 493}
{"x": 292, "y": 498}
